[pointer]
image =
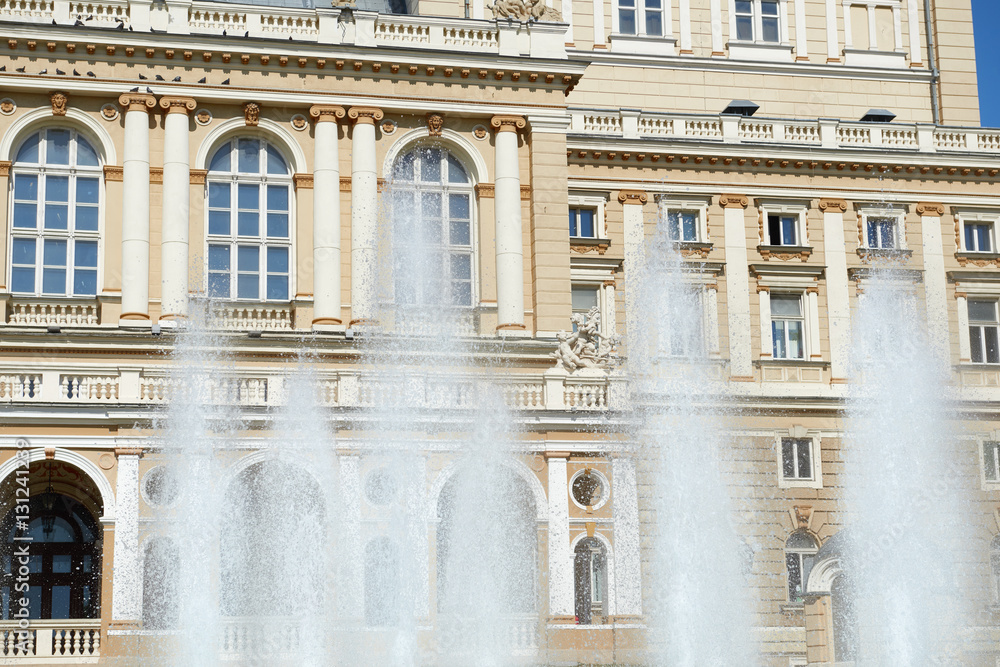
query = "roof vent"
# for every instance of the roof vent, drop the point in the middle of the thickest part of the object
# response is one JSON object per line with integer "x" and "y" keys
{"x": 741, "y": 108}
{"x": 878, "y": 116}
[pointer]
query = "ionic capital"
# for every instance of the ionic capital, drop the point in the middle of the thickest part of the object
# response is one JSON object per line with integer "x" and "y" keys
{"x": 833, "y": 205}
{"x": 734, "y": 201}
{"x": 632, "y": 197}
{"x": 326, "y": 113}
{"x": 182, "y": 105}
{"x": 364, "y": 115}
{"x": 137, "y": 101}
{"x": 508, "y": 123}
{"x": 930, "y": 209}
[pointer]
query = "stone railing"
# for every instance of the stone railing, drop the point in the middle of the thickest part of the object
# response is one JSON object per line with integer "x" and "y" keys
{"x": 72, "y": 641}
{"x": 252, "y": 317}
{"x": 323, "y": 25}
{"x": 822, "y": 133}
{"x": 348, "y": 389}
{"x": 52, "y": 312}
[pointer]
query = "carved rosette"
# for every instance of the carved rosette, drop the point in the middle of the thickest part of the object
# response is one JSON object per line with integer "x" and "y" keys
{"x": 508, "y": 123}
{"x": 109, "y": 112}
{"x": 435, "y": 124}
{"x": 365, "y": 115}
{"x": 930, "y": 209}
{"x": 59, "y": 103}
{"x": 251, "y": 114}
{"x": 326, "y": 113}
{"x": 734, "y": 201}
{"x": 298, "y": 122}
{"x": 136, "y": 102}
{"x": 833, "y": 205}
{"x": 632, "y": 197}
{"x": 183, "y": 105}
{"x": 7, "y": 106}
{"x": 480, "y": 132}
{"x": 203, "y": 117}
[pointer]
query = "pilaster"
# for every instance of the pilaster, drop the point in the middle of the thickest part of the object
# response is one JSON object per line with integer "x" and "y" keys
{"x": 737, "y": 287}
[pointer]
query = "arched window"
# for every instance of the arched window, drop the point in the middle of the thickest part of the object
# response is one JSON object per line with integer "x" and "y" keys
{"x": 432, "y": 230}
{"x": 591, "y": 580}
{"x": 159, "y": 584}
{"x": 799, "y": 547}
{"x": 249, "y": 213}
{"x": 55, "y": 215}
{"x": 381, "y": 583}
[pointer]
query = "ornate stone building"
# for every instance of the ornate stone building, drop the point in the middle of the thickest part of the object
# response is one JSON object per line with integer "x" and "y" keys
{"x": 154, "y": 150}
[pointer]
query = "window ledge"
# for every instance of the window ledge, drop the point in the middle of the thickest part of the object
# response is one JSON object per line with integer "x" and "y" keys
{"x": 785, "y": 252}
{"x": 871, "y": 58}
{"x": 583, "y": 244}
{"x": 812, "y": 363}
{"x": 868, "y": 254}
{"x": 693, "y": 248}
{"x": 761, "y": 52}
{"x": 645, "y": 45}
{"x": 980, "y": 259}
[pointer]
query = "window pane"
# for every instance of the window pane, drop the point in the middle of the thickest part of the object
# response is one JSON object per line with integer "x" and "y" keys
{"x": 769, "y": 29}
{"x": 247, "y": 286}
{"x": 778, "y": 337}
{"x": 788, "y": 306}
{"x": 690, "y": 226}
{"x": 769, "y": 8}
{"x": 56, "y": 216}
{"x": 970, "y": 237}
{"x": 277, "y": 260}
{"x": 54, "y": 253}
{"x": 673, "y": 225}
{"x": 586, "y": 222}
{"x": 54, "y": 281}
{"x": 85, "y": 282}
{"x": 248, "y": 223}
{"x": 249, "y": 196}
{"x": 86, "y": 156}
{"x": 793, "y": 562}
{"x": 461, "y": 293}
{"x": 795, "y": 349}
{"x": 86, "y": 218}
{"x": 872, "y": 234}
{"x": 744, "y": 7}
{"x": 458, "y": 206}
{"x": 248, "y": 258}
{"x": 456, "y": 172}
{"x": 982, "y": 311}
{"x": 275, "y": 163}
{"x": 430, "y": 166}
{"x": 85, "y": 254}
{"x": 218, "y": 258}
{"x": 218, "y": 285}
{"x": 57, "y": 188}
{"x": 460, "y": 233}
{"x": 461, "y": 267}
{"x": 28, "y": 151}
{"x": 87, "y": 190}
{"x": 992, "y": 346}
{"x": 990, "y": 460}
{"x": 976, "y": 343}
{"x": 654, "y": 23}
{"x": 277, "y": 225}
{"x": 277, "y": 198}
{"x": 60, "y": 601}
{"x": 220, "y": 161}
{"x": 277, "y": 288}
{"x": 888, "y": 233}
{"x": 787, "y": 458}
{"x": 24, "y": 251}
{"x": 744, "y": 28}
{"x": 573, "y": 213}
{"x": 249, "y": 156}
{"x": 23, "y": 279}
{"x": 57, "y": 147}
{"x": 25, "y": 216}
{"x": 26, "y": 187}
{"x": 218, "y": 195}
{"x": 219, "y": 222}
{"x": 773, "y": 229}
{"x": 584, "y": 298}
{"x": 788, "y": 230}
{"x": 626, "y": 21}
{"x": 403, "y": 170}
{"x": 983, "y": 238}
{"x": 804, "y": 459}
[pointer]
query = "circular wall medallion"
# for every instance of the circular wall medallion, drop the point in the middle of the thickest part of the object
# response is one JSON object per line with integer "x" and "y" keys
{"x": 388, "y": 126}
{"x": 203, "y": 116}
{"x": 380, "y": 487}
{"x": 107, "y": 461}
{"x": 480, "y": 132}
{"x": 7, "y": 106}
{"x": 537, "y": 463}
{"x": 299, "y": 122}
{"x": 589, "y": 489}
{"x": 160, "y": 487}
{"x": 109, "y": 111}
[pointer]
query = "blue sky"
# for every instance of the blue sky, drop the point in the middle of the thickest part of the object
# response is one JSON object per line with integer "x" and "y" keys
{"x": 986, "y": 19}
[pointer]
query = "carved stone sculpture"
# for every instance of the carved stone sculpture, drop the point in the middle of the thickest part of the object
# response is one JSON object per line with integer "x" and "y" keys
{"x": 59, "y": 103}
{"x": 585, "y": 347}
{"x": 251, "y": 114}
{"x": 525, "y": 10}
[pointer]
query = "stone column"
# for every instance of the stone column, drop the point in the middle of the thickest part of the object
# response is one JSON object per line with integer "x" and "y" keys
{"x": 766, "y": 335}
{"x": 628, "y": 575}
{"x": 935, "y": 287}
{"x": 509, "y": 241}
{"x": 838, "y": 298}
{"x": 738, "y": 287}
{"x": 634, "y": 247}
{"x": 135, "y": 210}
{"x": 364, "y": 214}
{"x": 5, "y": 226}
{"x": 126, "y": 603}
{"x": 561, "y": 605}
{"x": 326, "y": 217}
{"x": 176, "y": 207}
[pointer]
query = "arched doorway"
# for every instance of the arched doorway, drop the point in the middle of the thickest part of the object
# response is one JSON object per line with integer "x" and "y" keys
{"x": 58, "y": 541}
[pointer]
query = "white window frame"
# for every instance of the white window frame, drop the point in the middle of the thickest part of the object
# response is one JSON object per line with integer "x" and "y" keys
{"x": 777, "y": 208}
{"x": 982, "y": 444}
{"x": 666, "y": 13}
{"x": 983, "y": 325}
{"x": 641, "y": 43}
{"x": 802, "y": 553}
{"x": 757, "y": 50}
{"x": 803, "y": 317}
{"x": 978, "y": 218}
{"x": 667, "y": 203}
{"x": 900, "y": 227}
{"x": 71, "y": 234}
{"x": 758, "y": 29}
{"x": 599, "y": 204}
{"x": 816, "y": 458}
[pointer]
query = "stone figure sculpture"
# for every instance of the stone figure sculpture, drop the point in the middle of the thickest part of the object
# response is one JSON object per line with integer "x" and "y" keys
{"x": 525, "y": 10}
{"x": 585, "y": 347}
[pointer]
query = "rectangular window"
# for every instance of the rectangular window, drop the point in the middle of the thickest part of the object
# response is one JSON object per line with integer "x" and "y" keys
{"x": 582, "y": 223}
{"x": 640, "y": 17}
{"x": 683, "y": 225}
{"x": 983, "y": 335}
{"x": 758, "y": 21}
{"x": 793, "y": 563}
{"x": 979, "y": 236}
{"x": 796, "y": 458}
{"x": 991, "y": 461}
{"x": 782, "y": 229}
{"x": 881, "y": 232}
{"x": 787, "y": 327}
{"x": 54, "y": 266}
{"x": 584, "y": 298}
{"x": 23, "y": 256}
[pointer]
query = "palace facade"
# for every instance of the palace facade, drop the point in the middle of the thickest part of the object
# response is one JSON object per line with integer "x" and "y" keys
{"x": 150, "y": 151}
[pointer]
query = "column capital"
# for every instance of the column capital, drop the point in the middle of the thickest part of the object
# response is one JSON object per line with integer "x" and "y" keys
{"x": 326, "y": 113}
{"x": 128, "y": 451}
{"x": 833, "y": 205}
{"x": 172, "y": 104}
{"x": 137, "y": 101}
{"x": 363, "y": 115}
{"x": 556, "y": 455}
{"x": 734, "y": 201}
{"x": 508, "y": 123}
{"x": 930, "y": 209}
{"x": 632, "y": 197}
